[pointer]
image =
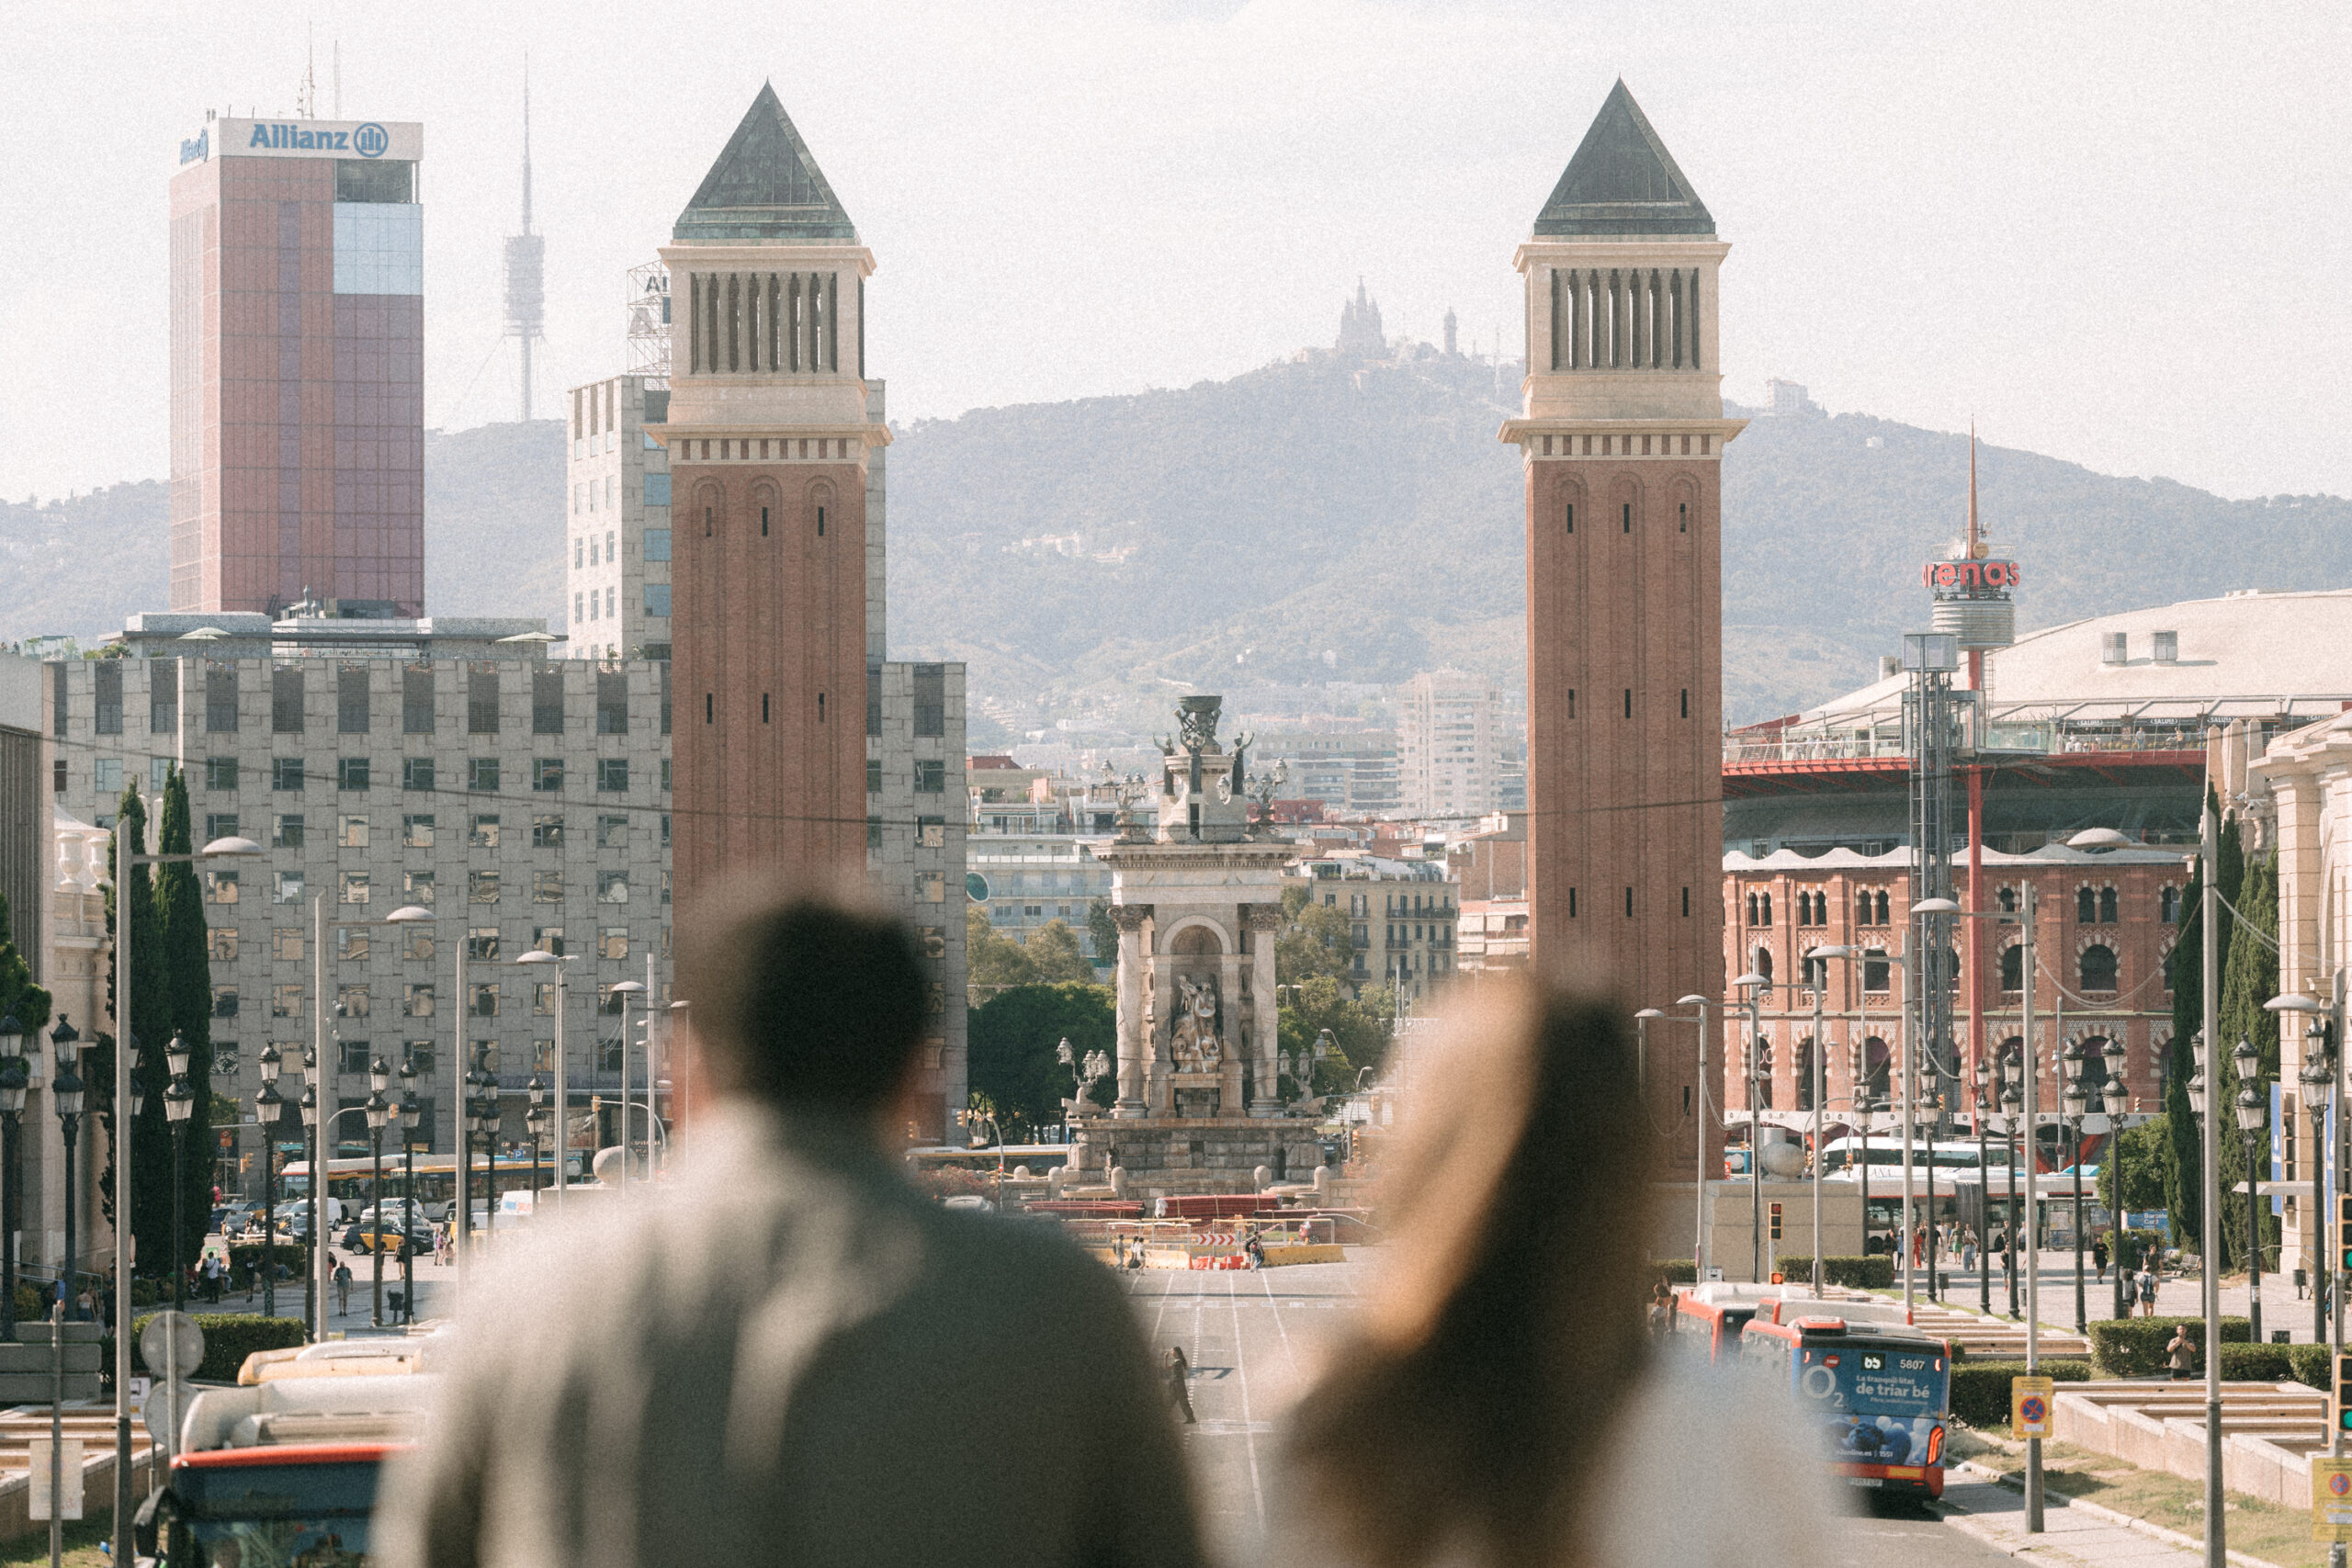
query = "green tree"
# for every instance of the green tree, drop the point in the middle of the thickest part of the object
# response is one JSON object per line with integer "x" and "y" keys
{"x": 20, "y": 999}
{"x": 2131, "y": 1173}
{"x": 186, "y": 964}
{"x": 1315, "y": 940}
{"x": 2249, "y": 979}
{"x": 2183, "y": 1173}
{"x": 1105, "y": 933}
{"x": 132, "y": 896}
{"x": 1360, "y": 1026}
{"x": 1055, "y": 954}
{"x": 1013, "y": 1064}
{"x": 992, "y": 961}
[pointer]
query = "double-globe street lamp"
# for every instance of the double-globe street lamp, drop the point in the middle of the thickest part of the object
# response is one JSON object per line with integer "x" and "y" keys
{"x": 2252, "y": 1107}
{"x": 269, "y": 1113}
{"x": 179, "y": 1104}
{"x": 410, "y": 1114}
{"x": 379, "y": 1112}
{"x": 2115, "y": 1099}
{"x": 1699, "y": 1124}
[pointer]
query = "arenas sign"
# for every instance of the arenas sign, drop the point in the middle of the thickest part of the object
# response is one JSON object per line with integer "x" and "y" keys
{"x": 1970, "y": 574}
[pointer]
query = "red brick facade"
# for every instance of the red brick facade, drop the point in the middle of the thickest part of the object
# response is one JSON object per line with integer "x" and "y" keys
{"x": 768, "y": 660}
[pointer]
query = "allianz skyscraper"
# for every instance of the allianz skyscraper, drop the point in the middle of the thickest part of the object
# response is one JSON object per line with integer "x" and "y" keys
{"x": 296, "y": 366}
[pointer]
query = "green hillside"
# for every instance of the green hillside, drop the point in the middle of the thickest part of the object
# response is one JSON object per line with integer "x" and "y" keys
{"x": 1317, "y": 520}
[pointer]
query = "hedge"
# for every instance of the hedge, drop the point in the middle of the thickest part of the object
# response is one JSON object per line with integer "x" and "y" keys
{"x": 2259, "y": 1364}
{"x": 1980, "y": 1390}
{"x": 1677, "y": 1271}
{"x": 2134, "y": 1347}
{"x": 229, "y": 1338}
{"x": 2307, "y": 1364}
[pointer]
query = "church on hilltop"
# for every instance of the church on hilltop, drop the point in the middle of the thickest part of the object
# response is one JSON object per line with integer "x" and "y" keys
{"x": 1360, "y": 330}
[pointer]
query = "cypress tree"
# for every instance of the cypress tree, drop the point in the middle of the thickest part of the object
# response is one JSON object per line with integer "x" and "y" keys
{"x": 132, "y": 896}
{"x": 2250, "y": 980}
{"x": 20, "y": 999}
{"x": 2184, "y": 1171}
{"x": 188, "y": 976}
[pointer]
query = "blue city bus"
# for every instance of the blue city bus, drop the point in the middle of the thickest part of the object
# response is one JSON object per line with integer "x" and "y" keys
{"x": 1881, "y": 1392}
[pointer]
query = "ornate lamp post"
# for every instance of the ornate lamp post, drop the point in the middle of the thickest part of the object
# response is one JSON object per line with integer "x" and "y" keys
{"x": 269, "y": 1109}
{"x": 535, "y": 1121}
{"x": 2075, "y": 1103}
{"x": 2253, "y": 1115}
{"x": 412, "y": 1113}
{"x": 1983, "y": 1104}
{"x": 179, "y": 1104}
{"x": 2012, "y": 1106}
{"x": 1754, "y": 984}
{"x": 469, "y": 1102}
{"x": 2118, "y": 1101}
{"x": 314, "y": 1301}
{"x": 65, "y": 1093}
{"x": 486, "y": 1089}
{"x": 379, "y": 1115}
{"x": 2318, "y": 1079}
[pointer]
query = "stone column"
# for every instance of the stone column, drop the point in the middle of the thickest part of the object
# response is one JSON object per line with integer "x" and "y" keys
{"x": 1230, "y": 996}
{"x": 1135, "y": 1040}
{"x": 1263, "y": 922}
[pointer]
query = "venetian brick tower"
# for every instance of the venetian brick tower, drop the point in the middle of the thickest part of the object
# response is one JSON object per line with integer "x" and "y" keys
{"x": 1622, "y": 436}
{"x": 768, "y": 434}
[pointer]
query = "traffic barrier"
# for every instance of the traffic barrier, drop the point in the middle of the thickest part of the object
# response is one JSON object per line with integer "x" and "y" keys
{"x": 1323, "y": 1252}
{"x": 1167, "y": 1257}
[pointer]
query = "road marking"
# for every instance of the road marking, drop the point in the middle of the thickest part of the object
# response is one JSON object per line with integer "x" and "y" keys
{"x": 1288, "y": 1353}
{"x": 1250, "y": 1428}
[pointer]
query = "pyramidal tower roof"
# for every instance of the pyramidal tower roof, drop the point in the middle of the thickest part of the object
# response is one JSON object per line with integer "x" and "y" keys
{"x": 766, "y": 186}
{"x": 1623, "y": 181}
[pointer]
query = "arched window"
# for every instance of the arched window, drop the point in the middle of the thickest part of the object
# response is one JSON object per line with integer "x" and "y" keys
{"x": 1768, "y": 908}
{"x": 1881, "y": 909}
{"x": 2107, "y": 905}
{"x": 2008, "y": 900}
{"x": 1752, "y": 911}
{"x": 2013, "y": 969}
{"x": 1862, "y": 908}
{"x": 1878, "y": 1063}
{"x": 2094, "y": 1069}
{"x": 2168, "y": 906}
{"x": 1877, "y": 973}
{"x": 1763, "y": 1076}
{"x": 2098, "y": 968}
{"x": 1764, "y": 962}
{"x": 1804, "y": 1074}
{"x": 2085, "y": 907}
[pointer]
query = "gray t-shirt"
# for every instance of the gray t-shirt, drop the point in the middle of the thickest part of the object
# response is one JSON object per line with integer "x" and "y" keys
{"x": 788, "y": 1355}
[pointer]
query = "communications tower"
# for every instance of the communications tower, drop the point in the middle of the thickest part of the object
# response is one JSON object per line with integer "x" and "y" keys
{"x": 526, "y": 255}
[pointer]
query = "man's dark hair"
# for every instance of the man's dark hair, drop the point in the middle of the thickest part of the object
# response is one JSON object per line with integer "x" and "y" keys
{"x": 803, "y": 997}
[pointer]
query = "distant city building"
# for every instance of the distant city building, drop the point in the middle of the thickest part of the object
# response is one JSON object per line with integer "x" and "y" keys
{"x": 1450, "y": 349}
{"x": 1360, "y": 330}
{"x": 1789, "y": 400}
{"x": 1403, "y": 916}
{"x": 618, "y": 496}
{"x": 1350, "y": 773}
{"x": 1450, "y": 744}
{"x": 1026, "y": 880}
{"x": 298, "y": 367}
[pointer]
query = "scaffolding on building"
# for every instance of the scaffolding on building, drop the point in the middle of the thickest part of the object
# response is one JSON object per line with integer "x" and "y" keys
{"x": 649, "y": 322}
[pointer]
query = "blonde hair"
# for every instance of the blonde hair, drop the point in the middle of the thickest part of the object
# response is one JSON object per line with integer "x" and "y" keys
{"x": 1507, "y": 1322}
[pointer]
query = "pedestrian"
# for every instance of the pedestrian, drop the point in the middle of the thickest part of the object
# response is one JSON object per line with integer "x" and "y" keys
{"x": 1257, "y": 1251}
{"x": 342, "y": 1287}
{"x": 1968, "y": 1250}
{"x": 1661, "y": 1311}
{"x": 2099, "y": 1256}
{"x": 1179, "y": 1372}
{"x": 2180, "y": 1356}
{"x": 753, "y": 1360}
{"x": 2147, "y": 1292}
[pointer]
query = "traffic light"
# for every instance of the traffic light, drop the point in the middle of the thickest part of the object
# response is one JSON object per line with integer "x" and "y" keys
{"x": 2342, "y": 1402}
{"x": 2343, "y": 1231}
{"x": 1776, "y": 1235}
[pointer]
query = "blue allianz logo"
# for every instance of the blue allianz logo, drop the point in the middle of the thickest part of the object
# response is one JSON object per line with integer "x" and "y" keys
{"x": 371, "y": 141}
{"x": 196, "y": 147}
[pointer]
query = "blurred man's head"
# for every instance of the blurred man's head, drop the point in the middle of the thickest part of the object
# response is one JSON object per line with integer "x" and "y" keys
{"x": 805, "y": 998}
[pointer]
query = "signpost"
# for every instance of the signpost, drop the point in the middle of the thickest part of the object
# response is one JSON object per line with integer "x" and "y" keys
{"x": 2030, "y": 1400}
{"x": 2331, "y": 1499}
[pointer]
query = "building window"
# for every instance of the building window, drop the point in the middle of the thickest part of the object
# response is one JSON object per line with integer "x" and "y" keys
{"x": 1877, "y": 973}
{"x": 548, "y": 938}
{"x": 220, "y": 943}
{"x": 2013, "y": 969}
{"x": 482, "y": 832}
{"x": 547, "y": 775}
{"x": 351, "y": 773}
{"x": 874, "y": 832}
{"x": 482, "y": 700}
{"x": 547, "y": 888}
{"x": 223, "y": 886}
{"x": 286, "y": 772}
{"x": 873, "y": 776}
{"x": 417, "y": 887}
{"x": 287, "y": 888}
{"x": 286, "y": 944}
{"x": 931, "y": 776}
{"x": 481, "y": 944}
{"x": 351, "y": 700}
{"x": 285, "y": 699}
{"x": 612, "y": 774}
{"x": 355, "y": 887}
{"x": 612, "y": 832}
{"x": 351, "y": 943}
{"x": 2099, "y": 969}
{"x": 547, "y": 832}
{"x": 612, "y": 942}
{"x": 286, "y": 1001}
{"x": 481, "y": 775}
{"x": 351, "y": 833}
{"x": 484, "y": 1001}
{"x": 416, "y": 832}
{"x": 107, "y": 777}
{"x": 612, "y": 887}
{"x": 481, "y": 887}
{"x": 657, "y": 599}
{"x": 547, "y": 702}
{"x": 416, "y": 772}
{"x": 416, "y": 700}
{"x": 416, "y": 1001}
{"x": 2085, "y": 907}
{"x": 220, "y": 774}
{"x": 2107, "y": 905}
{"x": 931, "y": 700}
{"x": 931, "y": 832}
{"x": 418, "y": 943}
{"x": 220, "y": 699}
{"x": 224, "y": 1001}
{"x": 2168, "y": 906}
{"x": 105, "y": 708}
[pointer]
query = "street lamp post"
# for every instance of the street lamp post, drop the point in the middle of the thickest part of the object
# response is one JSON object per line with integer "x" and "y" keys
{"x": 2253, "y": 1114}
{"x": 1818, "y": 977}
{"x": 623, "y": 993}
{"x": 314, "y": 1301}
{"x": 1754, "y": 986}
{"x": 269, "y": 1109}
{"x": 2075, "y": 1100}
{"x": 411, "y": 1113}
{"x": 2118, "y": 1101}
{"x": 381, "y": 1112}
{"x": 562, "y": 1073}
{"x": 12, "y": 1110}
{"x": 179, "y": 1104}
{"x": 1981, "y": 1102}
{"x": 2322, "y": 1094}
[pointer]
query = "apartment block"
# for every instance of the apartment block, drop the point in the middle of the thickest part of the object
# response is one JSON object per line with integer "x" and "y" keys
{"x": 1450, "y": 748}
{"x": 618, "y": 493}
{"x": 1403, "y": 916}
{"x": 915, "y": 851}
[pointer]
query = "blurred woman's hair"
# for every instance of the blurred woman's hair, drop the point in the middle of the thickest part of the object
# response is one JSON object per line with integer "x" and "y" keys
{"x": 1507, "y": 1323}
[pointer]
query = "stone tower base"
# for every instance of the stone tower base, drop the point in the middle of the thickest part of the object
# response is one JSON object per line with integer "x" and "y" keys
{"x": 1171, "y": 1156}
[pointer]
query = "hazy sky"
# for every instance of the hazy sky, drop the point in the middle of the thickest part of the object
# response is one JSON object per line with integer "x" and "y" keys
{"x": 2113, "y": 233}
